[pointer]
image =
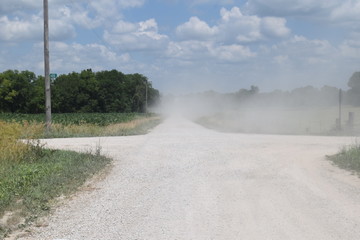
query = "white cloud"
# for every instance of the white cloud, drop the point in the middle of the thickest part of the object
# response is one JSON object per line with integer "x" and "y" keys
{"x": 281, "y": 59}
{"x": 132, "y": 3}
{"x": 196, "y": 3}
{"x": 232, "y": 53}
{"x": 8, "y": 6}
{"x": 101, "y": 6}
{"x": 14, "y": 30}
{"x": 300, "y": 61}
{"x": 124, "y": 27}
{"x": 219, "y": 2}
{"x": 32, "y": 29}
{"x": 188, "y": 50}
{"x": 350, "y": 48}
{"x": 11, "y": 6}
{"x": 234, "y": 27}
{"x": 65, "y": 58}
{"x": 274, "y": 27}
{"x": 208, "y": 51}
{"x": 293, "y": 7}
{"x": 22, "y": 20}
{"x": 195, "y": 29}
{"x": 110, "y": 9}
{"x": 338, "y": 11}
{"x": 348, "y": 11}
{"x": 136, "y": 36}
{"x": 302, "y": 50}
{"x": 83, "y": 19}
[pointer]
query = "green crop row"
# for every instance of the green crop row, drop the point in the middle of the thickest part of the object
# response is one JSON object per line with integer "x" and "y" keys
{"x": 100, "y": 119}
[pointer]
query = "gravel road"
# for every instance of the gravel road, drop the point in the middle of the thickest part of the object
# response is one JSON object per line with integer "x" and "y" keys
{"x": 183, "y": 181}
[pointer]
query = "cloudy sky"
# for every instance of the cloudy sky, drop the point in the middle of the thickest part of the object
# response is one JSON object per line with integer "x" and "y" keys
{"x": 188, "y": 46}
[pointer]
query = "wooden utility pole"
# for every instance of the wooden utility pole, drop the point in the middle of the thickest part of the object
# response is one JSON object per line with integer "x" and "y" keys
{"x": 47, "y": 67}
{"x": 146, "y": 96}
{"x": 340, "y": 102}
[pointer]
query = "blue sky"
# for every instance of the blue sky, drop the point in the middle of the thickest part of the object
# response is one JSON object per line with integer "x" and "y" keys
{"x": 190, "y": 46}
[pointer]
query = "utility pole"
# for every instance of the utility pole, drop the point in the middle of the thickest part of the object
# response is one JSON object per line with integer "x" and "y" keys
{"x": 340, "y": 102}
{"x": 47, "y": 67}
{"x": 146, "y": 96}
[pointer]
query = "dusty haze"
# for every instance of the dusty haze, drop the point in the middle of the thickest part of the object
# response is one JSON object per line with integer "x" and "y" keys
{"x": 306, "y": 110}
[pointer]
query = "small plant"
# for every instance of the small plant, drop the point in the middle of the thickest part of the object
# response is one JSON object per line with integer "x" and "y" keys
{"x": 98, "y": 149}
{"x": 348, "y": 158}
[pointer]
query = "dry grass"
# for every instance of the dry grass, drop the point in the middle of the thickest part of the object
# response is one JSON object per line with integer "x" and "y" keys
{"x": 128, "y": 127}
{"x": 10, "y": 148}
{"x": 134, "y": 127}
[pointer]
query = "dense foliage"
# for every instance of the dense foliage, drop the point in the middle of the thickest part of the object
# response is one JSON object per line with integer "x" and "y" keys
{"x": 88, "y": 91}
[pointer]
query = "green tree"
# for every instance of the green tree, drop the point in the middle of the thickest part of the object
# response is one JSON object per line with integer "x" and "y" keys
{"x": 105, "y": 91}
{"x": 135, "y": 87}
{"x": 111, "y": 91}
{"x": 36, "y": 103}
{"x": 17, "y": 91}
{"x": 76, "y": 92}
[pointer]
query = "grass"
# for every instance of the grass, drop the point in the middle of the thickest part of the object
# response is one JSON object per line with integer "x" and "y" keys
{"x": 348, "y": 158}
{"x": 28, "y": 187}
{"x": 32, "y": 177}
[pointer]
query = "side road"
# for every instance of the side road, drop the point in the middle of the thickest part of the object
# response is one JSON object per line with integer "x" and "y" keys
{"x": 183, "y": 181}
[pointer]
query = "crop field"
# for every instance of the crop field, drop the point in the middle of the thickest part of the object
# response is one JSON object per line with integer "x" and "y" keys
{"x": 100, "y": 119}
{"x": 82, "y": 124}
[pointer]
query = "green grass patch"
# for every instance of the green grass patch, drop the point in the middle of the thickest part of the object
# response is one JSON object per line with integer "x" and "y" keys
{"x": 348, "y": 158}
{"x": 27, "y": 187}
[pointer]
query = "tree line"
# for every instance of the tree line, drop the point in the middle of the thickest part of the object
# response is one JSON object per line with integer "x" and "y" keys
{"x": 87, "y": 91}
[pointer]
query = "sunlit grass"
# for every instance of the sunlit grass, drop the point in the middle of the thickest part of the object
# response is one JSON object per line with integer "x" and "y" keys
{"x": 11, "y": 150}
{"x": 136, "y": 126}
{"x": 348, "y": 158}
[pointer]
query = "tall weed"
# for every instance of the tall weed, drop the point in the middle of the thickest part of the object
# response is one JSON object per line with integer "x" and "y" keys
{"x": 348, "y": 158}
{"x": 11, "y": 150}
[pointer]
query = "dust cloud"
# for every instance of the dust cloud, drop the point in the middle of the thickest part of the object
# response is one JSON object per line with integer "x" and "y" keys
{"x": 305, "y": 110}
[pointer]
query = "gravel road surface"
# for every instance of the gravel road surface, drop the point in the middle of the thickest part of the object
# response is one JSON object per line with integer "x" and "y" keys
{"x": 183, "y": 181}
